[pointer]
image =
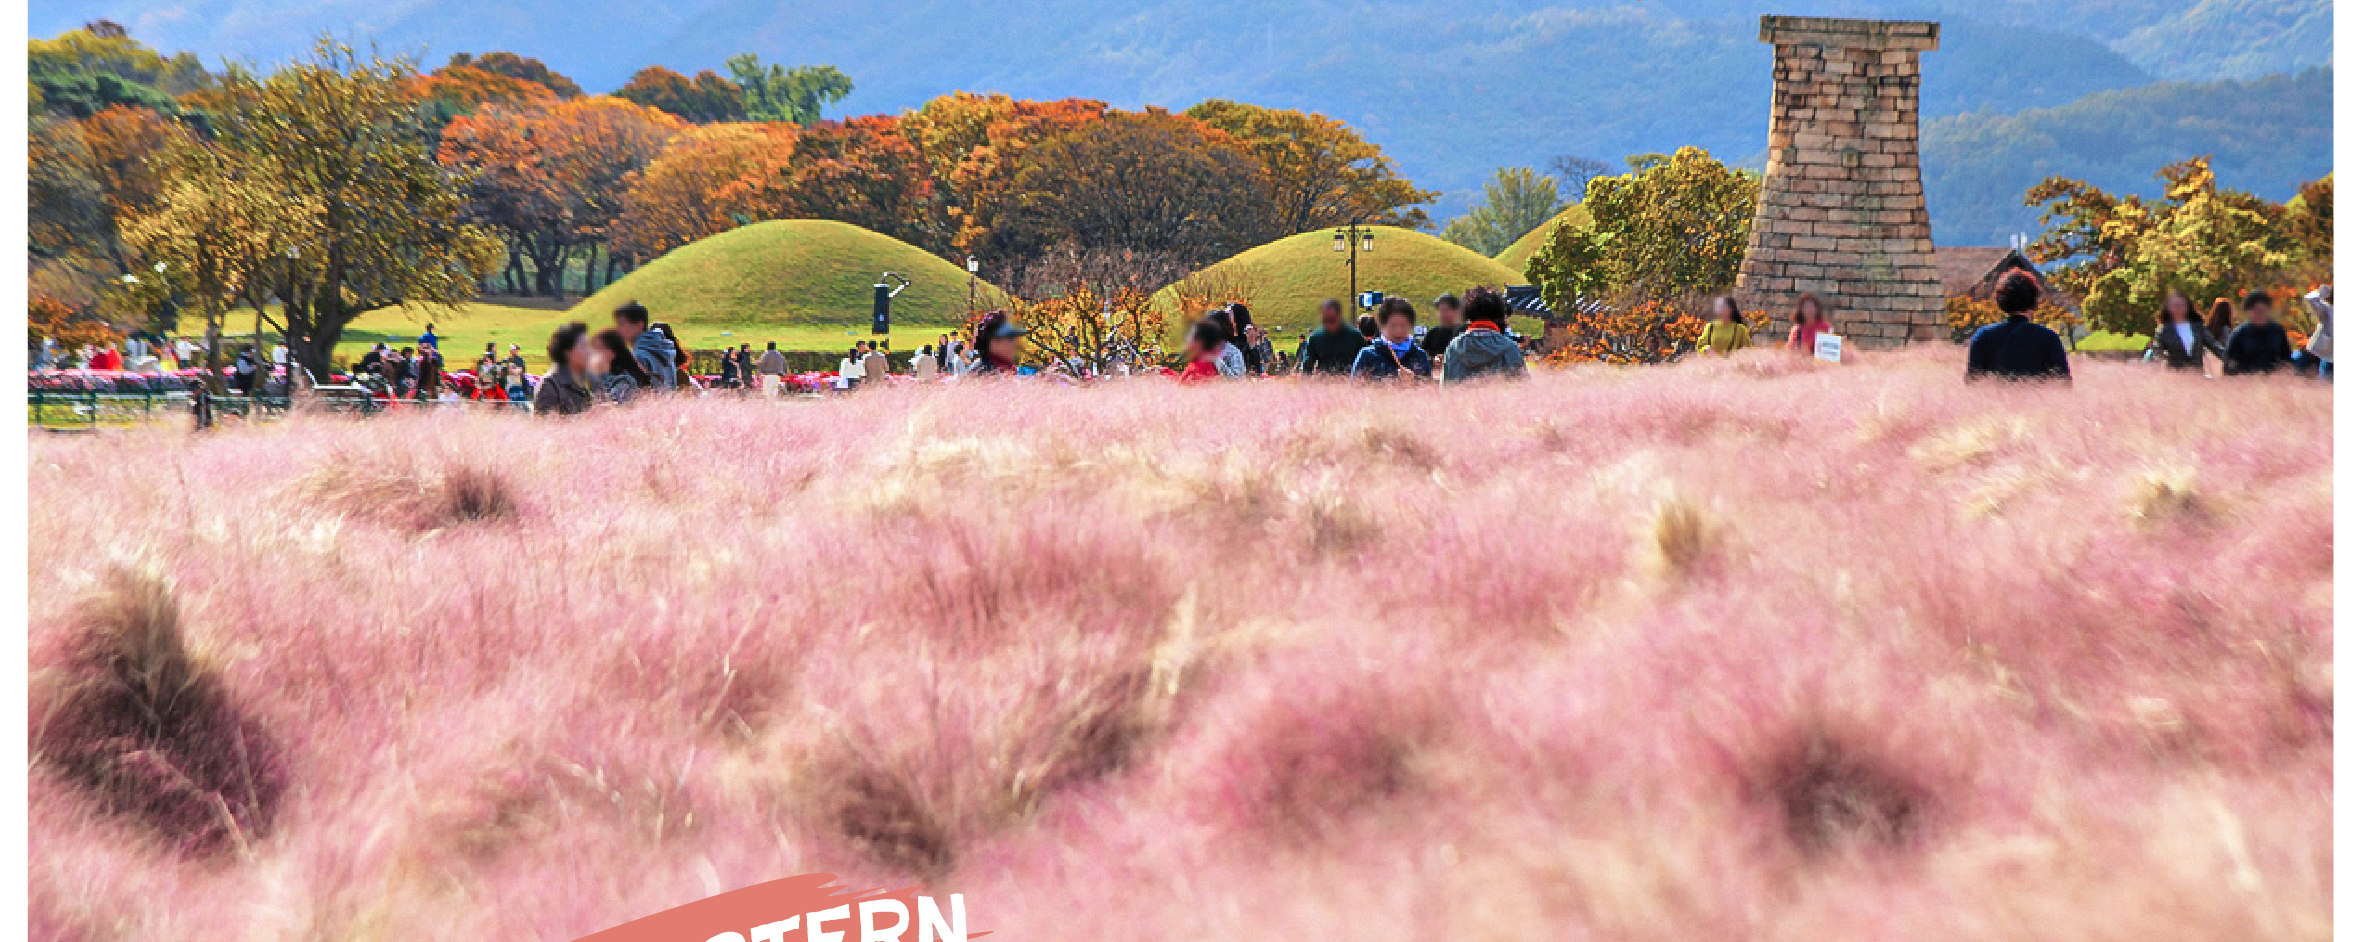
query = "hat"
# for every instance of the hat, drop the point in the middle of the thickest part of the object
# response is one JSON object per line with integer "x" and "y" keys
{"x": 998, "y": 326}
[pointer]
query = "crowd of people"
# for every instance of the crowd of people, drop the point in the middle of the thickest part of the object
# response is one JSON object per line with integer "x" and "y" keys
{"x": 1469, "y": 341}
{"x": 2016, "y": 347}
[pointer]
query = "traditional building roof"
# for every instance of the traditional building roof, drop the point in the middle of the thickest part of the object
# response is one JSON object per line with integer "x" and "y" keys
{"x": 1972, "y": 272}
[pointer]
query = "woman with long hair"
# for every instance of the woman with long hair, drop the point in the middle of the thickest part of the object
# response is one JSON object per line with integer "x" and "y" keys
{"x": 1810, "y": 322}
{"x": 2221, "y": 320}
{"x": 615, "y": 373}
{"x": 2181, "y": 337}
{"x": 1727, "y": 332}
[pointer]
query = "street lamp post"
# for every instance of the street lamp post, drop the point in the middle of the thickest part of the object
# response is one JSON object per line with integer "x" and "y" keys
{"x": 1354, "y": 239}
{"x": 971, "y": 287}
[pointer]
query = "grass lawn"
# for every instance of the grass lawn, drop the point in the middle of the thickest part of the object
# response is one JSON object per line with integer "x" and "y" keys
{"x": 2103, "y": 340}
{"x": 464, "y": 331}
{"x": 1289, "y": 278}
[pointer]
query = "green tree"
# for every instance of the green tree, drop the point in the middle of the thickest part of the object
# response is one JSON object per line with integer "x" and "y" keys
{"x": 2121, "y": 255}
{"x": 377, "y": 222}
{"x": 88, "y": 70}
{"x": 1516, "y": 201}
{"x": 779, "y": 93}
{"x": 1674, "y": 227}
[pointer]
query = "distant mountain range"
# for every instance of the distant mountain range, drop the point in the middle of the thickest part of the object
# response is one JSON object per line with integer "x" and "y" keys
{"x": 1450, "y": 88}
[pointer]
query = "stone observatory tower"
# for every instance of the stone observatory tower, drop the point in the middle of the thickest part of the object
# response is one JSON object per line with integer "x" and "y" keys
{"x": 1842, "y": 213}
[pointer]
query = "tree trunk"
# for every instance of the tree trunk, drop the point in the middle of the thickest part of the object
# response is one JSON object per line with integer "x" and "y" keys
{"x": 589, "y": 269}
{"x": 213, "y": 350}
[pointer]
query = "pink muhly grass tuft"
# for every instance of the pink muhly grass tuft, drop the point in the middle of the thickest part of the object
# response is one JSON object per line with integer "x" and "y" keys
{"x": 1754, "y": 648}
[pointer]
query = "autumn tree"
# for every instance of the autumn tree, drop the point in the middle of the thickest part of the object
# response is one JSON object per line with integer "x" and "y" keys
{"x": 2311, "y": 222}
{"x": 1141, "y": 180}
{"x": 1316, "y": 170}
{"x": 974, "y": 147}
{"x": 223, "y": 224}
{"x": 706, "y": 99}
{"x": 2121, "y": 255}
{"x": 69, "y": 327}
{"x": 552, "y": 181}
{"x": 1094, "y": 306}
{"x": 525, "y": 68}
{"x": 779, "y": 93}
{"x": 87, "y": 174}
{"x": 455, "y": 90}
{"x": 377, "y": 221}
{"x": 1674, "y": 227}
{"x": 1517, "y": 201}
{"x": 865, "y": 172}
{"x": 707, "y": 181}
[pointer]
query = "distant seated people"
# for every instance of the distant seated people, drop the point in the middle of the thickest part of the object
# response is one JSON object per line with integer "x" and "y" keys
{"x": 2259, "y": 345}
{"x": 923, "y": 367}
{"x": 2017, "y": 348}
{"x": 565, "y": 391}
{"x": 1484, "y": 347}
{"x": 1727, "y": 332}
{"x": 1394, "y": 356}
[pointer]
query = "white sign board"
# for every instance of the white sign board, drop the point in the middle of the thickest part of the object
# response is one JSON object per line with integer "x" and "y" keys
{"x": 1829, "y": 347}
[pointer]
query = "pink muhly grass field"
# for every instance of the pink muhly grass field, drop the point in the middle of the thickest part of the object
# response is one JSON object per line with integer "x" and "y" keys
{"x": 1742, "y": 649}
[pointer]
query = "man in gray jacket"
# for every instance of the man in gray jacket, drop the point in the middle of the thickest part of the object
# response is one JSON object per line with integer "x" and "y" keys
{"x": 1483, "y": 348}
{"x": 650, "y": 348}
{"x": 773, "y": 368}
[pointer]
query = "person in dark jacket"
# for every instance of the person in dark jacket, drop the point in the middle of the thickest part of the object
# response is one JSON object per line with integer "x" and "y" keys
{"x": 1484, "y": 348}
{"x": 652, "y": 348}
{"x": 1394, "y": 356}
{"x": 2259, "y": 345}
{"x": 564, "y": 391}
{"x": 2017, "y": 348}
{"x": 2181, "y": 339}
{"x": 1330, "y": 350}
{"x": 1252, "y": 343}
{"x": 1448, "y": 323}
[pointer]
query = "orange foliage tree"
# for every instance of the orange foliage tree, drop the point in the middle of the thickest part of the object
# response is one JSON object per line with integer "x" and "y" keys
{"x": 1966, "y": 314}
{"x": 552, "y": 181}
{"x": 704, "y": 99}
{"x": 709, "y": 180}
{"x": 55, "y": 321}
{"x": 1639, "y": 333}
{"x": 865, "y": 172}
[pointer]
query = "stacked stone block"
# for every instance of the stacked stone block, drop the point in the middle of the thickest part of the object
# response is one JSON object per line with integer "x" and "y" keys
{"x": 1842, "y": 213}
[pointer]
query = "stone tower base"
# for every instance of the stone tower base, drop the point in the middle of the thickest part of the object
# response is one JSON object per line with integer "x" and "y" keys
{"x": 1842, "y": 213}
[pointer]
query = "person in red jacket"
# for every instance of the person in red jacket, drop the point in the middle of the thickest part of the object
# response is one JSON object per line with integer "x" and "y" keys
{"x": 1205, "y": 343}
